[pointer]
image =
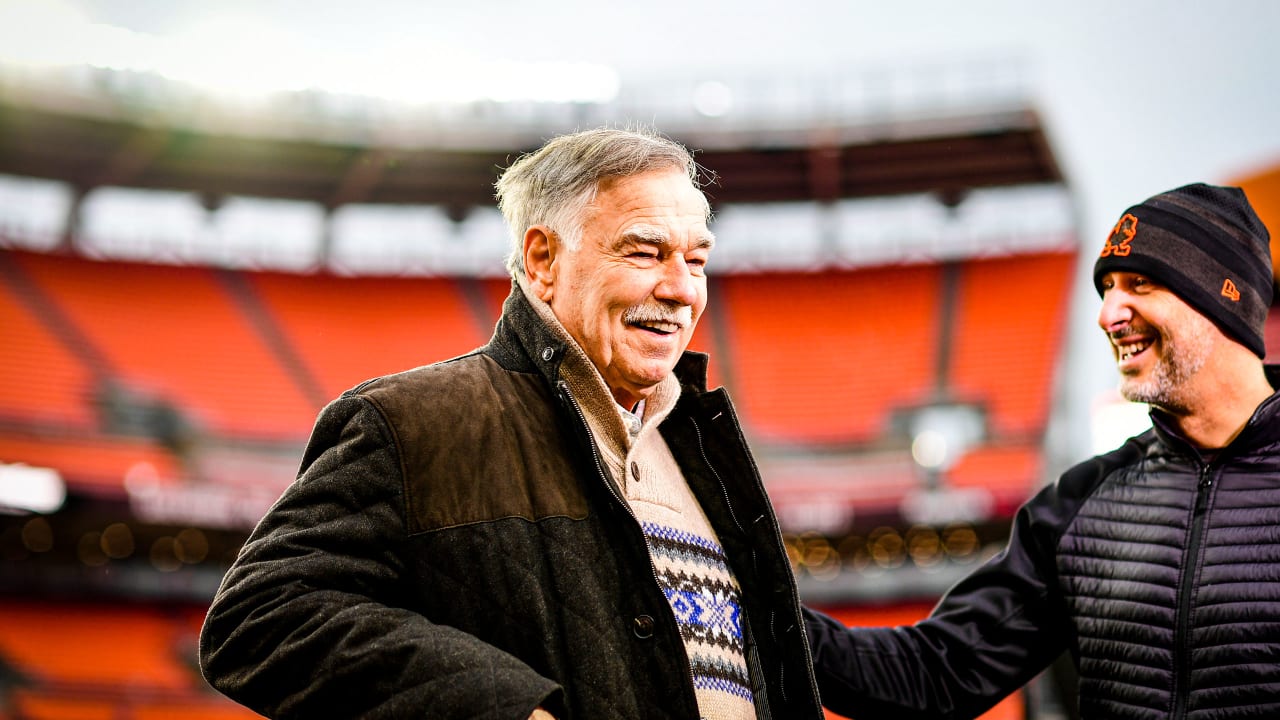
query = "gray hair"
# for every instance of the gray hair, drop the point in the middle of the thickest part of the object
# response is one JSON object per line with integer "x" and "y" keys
{"x": 553, "y": 185}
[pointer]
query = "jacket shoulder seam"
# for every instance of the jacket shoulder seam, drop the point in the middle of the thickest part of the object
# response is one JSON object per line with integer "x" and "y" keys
{"x": 389, "y": 429}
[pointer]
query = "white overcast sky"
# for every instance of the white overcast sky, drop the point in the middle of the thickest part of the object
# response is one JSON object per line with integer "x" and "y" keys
{"x": 1139, "y": 96}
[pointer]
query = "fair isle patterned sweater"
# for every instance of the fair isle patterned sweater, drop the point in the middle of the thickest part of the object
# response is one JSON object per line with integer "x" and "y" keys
{"x": 702, "y": 592}
{"x": 688, "y": 561}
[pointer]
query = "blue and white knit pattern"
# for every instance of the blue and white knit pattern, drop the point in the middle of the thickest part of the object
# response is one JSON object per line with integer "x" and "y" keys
{"x": 695, "y": 577}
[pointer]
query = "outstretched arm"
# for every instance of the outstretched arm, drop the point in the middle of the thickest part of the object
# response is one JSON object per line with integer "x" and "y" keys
{"x": 989, "y": 635}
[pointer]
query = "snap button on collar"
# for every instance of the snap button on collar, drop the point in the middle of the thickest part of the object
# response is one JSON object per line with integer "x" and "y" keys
{"x": 643, "y": 626}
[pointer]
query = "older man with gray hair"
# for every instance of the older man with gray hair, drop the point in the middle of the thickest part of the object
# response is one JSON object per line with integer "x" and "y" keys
{"x": 563, "y": 523}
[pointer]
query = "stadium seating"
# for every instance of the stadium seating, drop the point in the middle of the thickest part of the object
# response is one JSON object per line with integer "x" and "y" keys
{"x": 87, "y": 661}
{"x": 95, "y": 465}
{"x": 176, "y": 334}
{"x": 823, "y": 358}
{"x": 41, "y": 381}
{"x": 94, "y": 646}
{"x": 812, "y": 359}
{"x": 1009, "y": 318}
{"x": 37, "y": 706}
{"x": 1009, "y": 473}
{"x": 346, "y": 330}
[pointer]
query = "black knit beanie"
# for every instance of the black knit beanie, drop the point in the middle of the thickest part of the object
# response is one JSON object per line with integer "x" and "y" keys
{"x": 1207, "y": 245}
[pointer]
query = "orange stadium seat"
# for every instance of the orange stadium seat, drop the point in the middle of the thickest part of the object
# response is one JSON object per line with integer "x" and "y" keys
{"x": 52, "y": 706}
{"x": 41, "y": 380}
{"x": 1010, "y": 473}
{"x": 36, "y": 706}
{"x": 347, "y": 330}
{"x": 826, "y": 357}
{"x": 176, "y": 332}
{"x": 1009, "y": 324}
{"x": 94, "y": 646}
{"x": 92, "y": 465}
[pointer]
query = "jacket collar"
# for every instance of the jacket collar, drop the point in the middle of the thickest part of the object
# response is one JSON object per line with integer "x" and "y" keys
{"x": 1263, "y": 428}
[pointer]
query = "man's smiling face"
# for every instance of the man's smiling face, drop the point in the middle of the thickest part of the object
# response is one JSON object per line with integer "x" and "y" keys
{"x": 1160, "y": 342}
{"x": 633, "y": 291}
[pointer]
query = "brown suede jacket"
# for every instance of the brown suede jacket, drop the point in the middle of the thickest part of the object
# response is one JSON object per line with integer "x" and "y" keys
{"x": 453, "y": 547}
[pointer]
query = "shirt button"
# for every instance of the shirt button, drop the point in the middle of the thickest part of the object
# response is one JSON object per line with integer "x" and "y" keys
{"x": 548, "y": 353}
{"x": 643, "y": 627}
{"x": 635, "y": 471}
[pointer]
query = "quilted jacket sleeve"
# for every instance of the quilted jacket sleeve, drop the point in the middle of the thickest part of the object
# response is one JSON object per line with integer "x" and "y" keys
{"x": 990, "y": 634}
{"x": 310, "y": 620}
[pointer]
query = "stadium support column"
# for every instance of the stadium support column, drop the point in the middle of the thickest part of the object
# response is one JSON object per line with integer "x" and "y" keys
{"x": 324, "y": 254}
{"x": 946, "y": 327}
{"x": 246, "y": 297}
{"x": 67, "y": 244}
{"x": 363, "y": 173}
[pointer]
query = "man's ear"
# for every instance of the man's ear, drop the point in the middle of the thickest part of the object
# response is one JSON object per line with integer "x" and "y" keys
{"x": 540, "y": 245}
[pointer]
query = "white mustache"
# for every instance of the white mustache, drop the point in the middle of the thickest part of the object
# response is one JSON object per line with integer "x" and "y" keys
{"x": 681, "y": 316}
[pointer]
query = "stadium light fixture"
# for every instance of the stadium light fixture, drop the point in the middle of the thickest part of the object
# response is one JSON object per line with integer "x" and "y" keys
{"x": 941, "y": 433}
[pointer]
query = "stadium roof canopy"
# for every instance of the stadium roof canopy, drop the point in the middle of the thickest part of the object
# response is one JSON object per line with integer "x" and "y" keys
{"x": 294, "y": 149}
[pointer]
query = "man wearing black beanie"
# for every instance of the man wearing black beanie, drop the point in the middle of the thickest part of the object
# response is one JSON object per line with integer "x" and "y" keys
{"x": 1157, "y": 565}
{"x": 1186, "y": 282}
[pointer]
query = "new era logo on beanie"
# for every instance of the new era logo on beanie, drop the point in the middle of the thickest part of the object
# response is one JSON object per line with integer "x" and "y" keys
{"x": 1207, "y": 245}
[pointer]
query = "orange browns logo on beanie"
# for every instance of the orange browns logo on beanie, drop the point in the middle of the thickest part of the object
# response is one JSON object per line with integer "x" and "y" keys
{"x": 1121, "y": 235}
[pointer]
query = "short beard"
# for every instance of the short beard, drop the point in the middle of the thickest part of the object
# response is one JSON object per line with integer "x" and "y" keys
{"x": 1180, "y": 360}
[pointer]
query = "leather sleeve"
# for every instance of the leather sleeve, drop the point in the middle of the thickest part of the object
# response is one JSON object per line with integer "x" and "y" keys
{"x": 310, "y": 620}
{"x": 990, "y": 634}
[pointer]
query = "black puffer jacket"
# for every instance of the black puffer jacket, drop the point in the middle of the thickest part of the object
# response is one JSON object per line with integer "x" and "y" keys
{"x": 453, "y": 549}
{"x": 1159, "y": 569}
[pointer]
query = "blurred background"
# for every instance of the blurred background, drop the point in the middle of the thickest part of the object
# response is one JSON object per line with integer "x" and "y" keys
{"x": 215, "y": 217}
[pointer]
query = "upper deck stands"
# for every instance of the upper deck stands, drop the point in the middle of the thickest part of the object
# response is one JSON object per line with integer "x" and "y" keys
{"x": 347, "y": 330}
{"x": 175, "y": 334}
{"x": 41, "y": 380}
{"x": 1010, "y": 320}
{"x": 824, "y": 358}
